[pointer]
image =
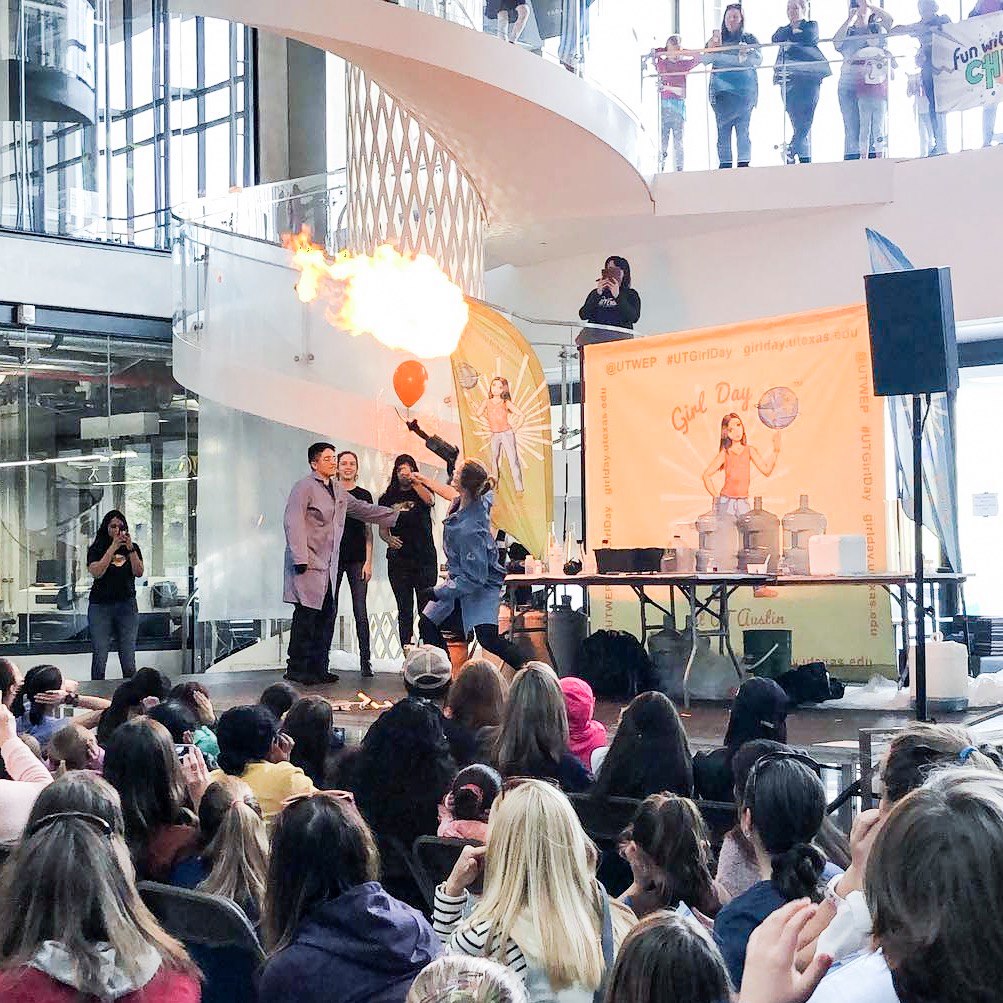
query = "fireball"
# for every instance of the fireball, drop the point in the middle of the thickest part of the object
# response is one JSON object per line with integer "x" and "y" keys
{"x": 404, "y": 302}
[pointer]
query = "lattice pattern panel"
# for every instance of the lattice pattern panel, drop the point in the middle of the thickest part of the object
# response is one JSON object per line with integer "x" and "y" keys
{"x": 405, "y": 188}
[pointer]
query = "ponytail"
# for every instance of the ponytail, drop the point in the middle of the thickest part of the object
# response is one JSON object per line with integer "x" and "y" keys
{"x": 238, "y": 853}
{"x": 474, "y": 479}
{"x": 797, "y": 872}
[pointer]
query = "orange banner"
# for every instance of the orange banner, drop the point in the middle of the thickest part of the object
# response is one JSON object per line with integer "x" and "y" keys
{"x": 504, "y": 406}
{"x": 771, "y": 409}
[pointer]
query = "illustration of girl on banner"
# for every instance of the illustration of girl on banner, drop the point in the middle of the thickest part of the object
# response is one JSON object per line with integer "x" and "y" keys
{"x": 499, "y": 413}
{"x": 736, "y": 458}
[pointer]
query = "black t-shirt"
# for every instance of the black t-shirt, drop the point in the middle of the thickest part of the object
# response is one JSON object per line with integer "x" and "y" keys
{"x": 118, "y": 583}
{"x": 353, "y": 539}
{"x": 414, "y": 527}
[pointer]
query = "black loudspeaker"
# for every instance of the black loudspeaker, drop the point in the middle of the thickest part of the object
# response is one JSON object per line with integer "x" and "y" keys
{"x": 911, "y": 320}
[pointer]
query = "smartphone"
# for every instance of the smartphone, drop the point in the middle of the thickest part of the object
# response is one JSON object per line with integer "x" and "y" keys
{"x": 613, "y": 274}
{"x": 183, "y": 750}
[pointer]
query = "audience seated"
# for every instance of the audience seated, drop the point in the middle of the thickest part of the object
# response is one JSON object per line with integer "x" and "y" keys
{"x": 278, "y": 698}
{"x": 427, "y": 672}
{"x": 333, "y": 933}
{"x": 233, "y": 860}
{"x": 75, "y": 748}
{"x": 532, "y": 740}
{"x": 402, "y": 772}
{"x": 160, "y": 827}
{"x": 649, "y": 754}
{"x": 759, "y": 711}
{"x": 931, "y": 886}
{"x": 252, "y": 747}
{"x": 669, "y": 854}
{"x": 310, "y": 724}
{"x": 473, "y": 709}
{"x": 11, "y": 681}
{"x": 737, "y": 867}
{"x": 843, "y": 924}
{"x": 72, "y": 925}
{"x": 585, "y": 735}
{"x": 668, "y": 958}
{"x": 543, "y": 913}
{"x": 181, "y": 722}
{"x": 28, "y": 778}
{"x": 782, "y": 810}
{"x": 457, "y": 978}
{"x": 196, "y": 698}
{"x": 464, "y": 811}
{"x": 38, "y": 702}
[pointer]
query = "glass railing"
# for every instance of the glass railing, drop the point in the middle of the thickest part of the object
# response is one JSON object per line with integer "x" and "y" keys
{"x": 266, "y": 212}
{"x": 610, "y": 44}
{"x": 899, "y": 120}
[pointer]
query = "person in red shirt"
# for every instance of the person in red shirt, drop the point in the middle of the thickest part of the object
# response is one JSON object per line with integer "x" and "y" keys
{"x": 73, "y": 928}
{"x": 672, "y": 63}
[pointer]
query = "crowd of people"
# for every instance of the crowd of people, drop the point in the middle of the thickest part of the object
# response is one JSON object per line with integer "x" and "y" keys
{"x": 734, "y": 56}
{"x": 265, "y": 806}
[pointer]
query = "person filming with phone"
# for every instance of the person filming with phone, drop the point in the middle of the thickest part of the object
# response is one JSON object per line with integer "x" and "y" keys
{"x": 613, "y": 302}
{"x": 115, "y": 562}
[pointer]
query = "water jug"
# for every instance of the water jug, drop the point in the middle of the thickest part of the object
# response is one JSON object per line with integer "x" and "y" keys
{"x": 760, "y": 532}
{"x": 677, "y": 557}
{"x": 799, "y": 526}
{"x": 718, "y": 536}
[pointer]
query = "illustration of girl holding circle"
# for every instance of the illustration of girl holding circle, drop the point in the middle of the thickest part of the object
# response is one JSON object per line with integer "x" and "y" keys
{"x": 736, "y": 458}
{"x": 502, "y": 418}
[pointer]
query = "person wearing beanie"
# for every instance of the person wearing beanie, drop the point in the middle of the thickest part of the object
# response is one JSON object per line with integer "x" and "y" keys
{"x": 585, "y": 734}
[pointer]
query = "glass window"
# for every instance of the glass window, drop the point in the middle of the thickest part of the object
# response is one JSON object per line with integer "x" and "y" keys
{"x": 88, "y": 424}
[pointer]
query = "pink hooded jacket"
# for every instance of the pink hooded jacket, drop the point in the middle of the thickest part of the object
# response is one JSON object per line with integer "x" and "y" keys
{"x": 586, "y": 735}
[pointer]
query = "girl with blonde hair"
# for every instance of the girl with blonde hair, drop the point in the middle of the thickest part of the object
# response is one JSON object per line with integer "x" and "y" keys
{"x": 234, "y": 863}
{"x": 543, "y": 913}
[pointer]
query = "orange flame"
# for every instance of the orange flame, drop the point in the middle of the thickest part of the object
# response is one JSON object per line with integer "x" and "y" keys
{"x": 404, "y": 302}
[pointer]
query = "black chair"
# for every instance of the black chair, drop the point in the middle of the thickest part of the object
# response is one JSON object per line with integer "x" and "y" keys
{"x": 401, "y": 877}
{"x": 434, "y": 857}
{"x": 604, "y": 818}
{"x": 216, "y": 933}
{"x": 720, "y": 818}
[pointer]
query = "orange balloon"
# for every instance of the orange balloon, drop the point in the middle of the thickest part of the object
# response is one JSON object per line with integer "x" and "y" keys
{"x": 410, "y": 379}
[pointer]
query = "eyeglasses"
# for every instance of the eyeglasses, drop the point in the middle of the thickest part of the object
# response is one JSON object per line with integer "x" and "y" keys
{"x": 99, "y": 823}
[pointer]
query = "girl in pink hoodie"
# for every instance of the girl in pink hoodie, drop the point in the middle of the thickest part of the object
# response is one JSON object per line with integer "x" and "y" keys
{"x": 464, "y": 811}
{"x": 585, "y": 734}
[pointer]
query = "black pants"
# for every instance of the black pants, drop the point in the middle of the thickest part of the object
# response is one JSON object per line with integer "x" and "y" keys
{"x": 409, "y": 585}
{"x": 486, "y": 633}
{"x": 310, "y": 639}
{"x": 801, "y": 99}
{"x": 358, "y": 586}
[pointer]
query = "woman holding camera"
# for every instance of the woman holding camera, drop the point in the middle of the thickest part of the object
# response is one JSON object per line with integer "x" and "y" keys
{"x": 613, "y": 303}
{"x": 116, "y": 562}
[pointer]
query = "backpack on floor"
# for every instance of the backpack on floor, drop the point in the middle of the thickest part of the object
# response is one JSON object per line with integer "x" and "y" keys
{"x": 615, "y": 665}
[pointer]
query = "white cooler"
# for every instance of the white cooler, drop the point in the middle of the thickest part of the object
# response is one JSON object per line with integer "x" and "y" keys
{"x": 946, "y": 674}
{"x": 832, "y": 555}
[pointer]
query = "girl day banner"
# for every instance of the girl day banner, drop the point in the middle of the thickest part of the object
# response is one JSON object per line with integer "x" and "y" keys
{"x": 771, "y": 410}
{"x": 504, "y": 406}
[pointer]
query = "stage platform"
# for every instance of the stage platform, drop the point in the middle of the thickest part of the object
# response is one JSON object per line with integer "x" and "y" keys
{"x": 705, "y": 722}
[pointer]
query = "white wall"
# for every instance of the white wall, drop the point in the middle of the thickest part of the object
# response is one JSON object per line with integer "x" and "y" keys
{"x": 84, "y": 275}
{"x": 701, "y": 262}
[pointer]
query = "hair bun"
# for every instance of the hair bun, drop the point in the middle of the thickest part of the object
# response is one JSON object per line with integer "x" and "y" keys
{"x": 798, "y": 871}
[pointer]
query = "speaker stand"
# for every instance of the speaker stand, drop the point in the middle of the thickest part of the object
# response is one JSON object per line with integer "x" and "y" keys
{"x": 919, "y": 667}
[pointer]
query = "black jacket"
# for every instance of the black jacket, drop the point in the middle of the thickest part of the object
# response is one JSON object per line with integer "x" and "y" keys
{"x": 623, "y": 311}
